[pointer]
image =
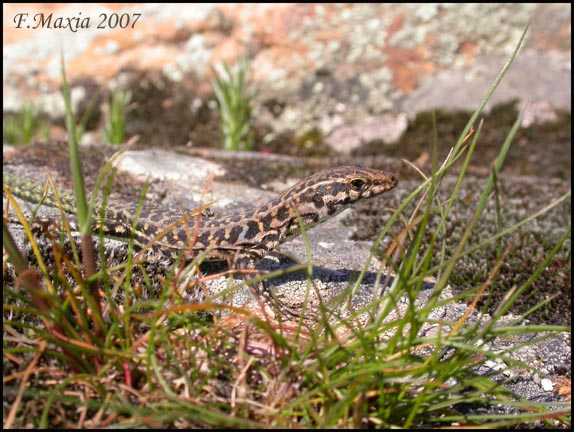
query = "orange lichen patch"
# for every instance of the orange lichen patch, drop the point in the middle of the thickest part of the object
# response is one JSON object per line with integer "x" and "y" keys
{"x": 397, "y": 24}
{"x": 118, "y": 49}
{"x": 271, "y": 22}
{"x": 468, "y": 49}
{"x": 103, "y": 67}
{"x": 328, "y": 35}
{"x": 229, "y": 51}
{"x": 280, "y": 57}
{"x": 118, "y": 6}
{"x": 409, "y": 66}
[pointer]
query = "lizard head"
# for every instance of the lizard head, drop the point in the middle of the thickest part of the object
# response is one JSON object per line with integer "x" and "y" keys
{"x": 330, "y": 191}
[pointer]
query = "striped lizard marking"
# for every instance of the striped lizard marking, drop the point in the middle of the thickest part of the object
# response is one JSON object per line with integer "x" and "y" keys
{"x": 241, "y": 238}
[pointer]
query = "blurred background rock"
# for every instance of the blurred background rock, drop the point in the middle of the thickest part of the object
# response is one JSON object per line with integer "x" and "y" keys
{"x": 342, "y": 74}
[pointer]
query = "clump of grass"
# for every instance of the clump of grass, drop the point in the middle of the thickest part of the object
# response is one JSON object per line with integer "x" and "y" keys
{"x": 234, "y": 99}
{"x": 137, "y": 361}
{"x": 22, "y": 128}
{"x": 81, "y": 125}
{"x": 115, "y": 122}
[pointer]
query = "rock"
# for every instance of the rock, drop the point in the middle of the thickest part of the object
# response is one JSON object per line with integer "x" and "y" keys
{"x": 387, "y": 128}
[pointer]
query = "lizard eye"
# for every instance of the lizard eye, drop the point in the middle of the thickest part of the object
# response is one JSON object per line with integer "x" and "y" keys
{"x": 357, "y": 184}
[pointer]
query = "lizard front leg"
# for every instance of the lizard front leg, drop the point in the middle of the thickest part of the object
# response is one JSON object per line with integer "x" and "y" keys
{"x": 246, "y": 261}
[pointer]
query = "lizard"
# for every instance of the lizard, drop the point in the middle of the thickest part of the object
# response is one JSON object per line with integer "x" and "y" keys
{"x": 242, "y": 238}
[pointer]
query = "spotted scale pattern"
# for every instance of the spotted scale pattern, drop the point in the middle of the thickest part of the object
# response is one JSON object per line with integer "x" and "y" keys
{"x": 243, "y": 238}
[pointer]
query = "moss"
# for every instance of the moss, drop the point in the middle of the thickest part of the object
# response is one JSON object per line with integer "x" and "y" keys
{"x": 527, "y": 247}
{"x": 538, "y": 150}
